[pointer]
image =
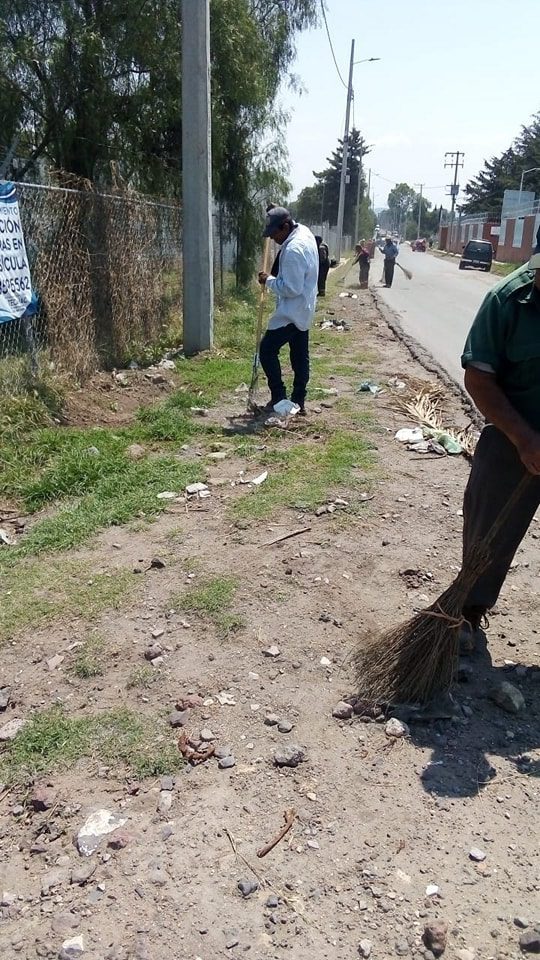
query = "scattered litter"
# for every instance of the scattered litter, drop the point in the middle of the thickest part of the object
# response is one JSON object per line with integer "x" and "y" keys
{"x": 432, "y": 890}
{"x": 98, "y": 825}
{"x": 255, "y": 481}
{"x": 329, "y": 391}
{"x": 368, "y": 386}
{"x": 260, "y": 479}
{"x": 225, "y": 699}
{"x": 397, "y": 384}
{"x": 198, "y": 491}
{"x": 5, "y": 538}
{"x": 325, "y": 662}
{"x": 242, "y": 388}
{"x": 167, "y": 495}
{"x": 286, "y": 408}
{"x": 167, "y": 364}
{"x": 409, "y": 435}
{"x": 200, "y": 411}
{"x": 449, "y": 443}
{"x": 351, "y": 296}
{"x": 272, "y": 651}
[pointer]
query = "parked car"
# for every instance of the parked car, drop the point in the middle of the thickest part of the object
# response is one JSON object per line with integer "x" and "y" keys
{"x": 418, "y": 245}
{"x": 477, "y": 254}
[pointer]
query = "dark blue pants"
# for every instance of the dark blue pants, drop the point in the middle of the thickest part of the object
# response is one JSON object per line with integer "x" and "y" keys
{"x": 271, "y": 344}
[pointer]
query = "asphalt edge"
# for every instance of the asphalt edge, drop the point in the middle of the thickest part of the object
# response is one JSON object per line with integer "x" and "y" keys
{"x": 427, "y": 361}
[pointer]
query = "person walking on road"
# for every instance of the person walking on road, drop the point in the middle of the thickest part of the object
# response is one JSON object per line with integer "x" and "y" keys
{"x": 390, "y": 252}
{"x": 324, "y": 265}
{"x": 501, "y": 358}
{"x": 295, "y": 289}
{"x": 363, "y": 258}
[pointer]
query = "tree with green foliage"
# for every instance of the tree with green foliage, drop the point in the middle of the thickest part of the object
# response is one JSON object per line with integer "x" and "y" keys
{"x": 330, "y": 180}
{"x": 93, "y": 87}
{"x": 485, "y": 192}
{"x": 400, "y": 202}
{"x": 319, "y": 202}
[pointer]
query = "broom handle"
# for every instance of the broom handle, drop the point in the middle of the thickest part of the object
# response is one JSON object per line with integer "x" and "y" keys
{"x": 258, "y": 333}
{"x": 524, "y": 484}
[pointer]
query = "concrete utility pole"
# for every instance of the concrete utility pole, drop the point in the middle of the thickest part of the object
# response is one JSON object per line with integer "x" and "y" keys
{"x": 197, "y": 243}
{"x": 343, "y": 181}
{"x": 454, "y": 188}
{"x": 421, "y": 185}
{"x": 358, "y": 196}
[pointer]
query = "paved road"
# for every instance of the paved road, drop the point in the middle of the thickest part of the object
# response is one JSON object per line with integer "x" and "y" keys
{"x": 437, "y": 306}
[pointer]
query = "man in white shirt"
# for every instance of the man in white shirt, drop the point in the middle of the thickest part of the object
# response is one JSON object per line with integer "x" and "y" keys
{"x": 295, "y": 289}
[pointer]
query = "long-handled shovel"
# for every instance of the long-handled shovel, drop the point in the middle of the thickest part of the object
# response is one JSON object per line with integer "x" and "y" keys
{"x": 258, "y": 334}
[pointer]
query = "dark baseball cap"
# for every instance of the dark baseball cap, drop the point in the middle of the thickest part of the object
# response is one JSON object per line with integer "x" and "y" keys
{"x": 275, "y": 218}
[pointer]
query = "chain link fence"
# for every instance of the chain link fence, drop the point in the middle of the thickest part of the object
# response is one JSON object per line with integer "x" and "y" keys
{"x": 107, "y": 271}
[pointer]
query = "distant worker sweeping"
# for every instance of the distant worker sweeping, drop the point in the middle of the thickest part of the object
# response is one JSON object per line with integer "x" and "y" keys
{"x": 295, "y": 289}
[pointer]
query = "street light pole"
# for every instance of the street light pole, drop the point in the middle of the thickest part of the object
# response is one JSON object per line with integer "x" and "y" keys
{"x": 341, "y": 203}
{"x": 523, "y": 175}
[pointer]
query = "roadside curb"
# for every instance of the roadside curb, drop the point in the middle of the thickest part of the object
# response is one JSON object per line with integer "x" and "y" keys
{"x": 427, "y": 361}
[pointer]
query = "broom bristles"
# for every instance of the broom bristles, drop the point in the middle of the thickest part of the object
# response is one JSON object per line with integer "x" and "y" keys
{"x": 418, "y": 658}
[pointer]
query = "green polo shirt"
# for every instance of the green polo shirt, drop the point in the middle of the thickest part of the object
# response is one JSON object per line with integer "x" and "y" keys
{"x": 505, "y": 336}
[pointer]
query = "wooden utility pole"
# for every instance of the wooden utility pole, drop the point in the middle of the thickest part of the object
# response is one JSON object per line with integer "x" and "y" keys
{"x": 197, "y": 242}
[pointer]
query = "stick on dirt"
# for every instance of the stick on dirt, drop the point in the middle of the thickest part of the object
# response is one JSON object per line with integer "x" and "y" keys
{"x": 287, "y": 536}
{"x": 289, "y": 816}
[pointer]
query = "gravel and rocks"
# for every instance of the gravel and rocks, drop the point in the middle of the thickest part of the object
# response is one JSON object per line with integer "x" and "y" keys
{"x": 507, "y": 696}
{"x": 435, "y": 937}
{"x": 289, "y": 756}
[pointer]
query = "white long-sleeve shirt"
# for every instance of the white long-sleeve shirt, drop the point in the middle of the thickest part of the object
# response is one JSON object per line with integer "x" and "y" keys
{"x": 295, "y": 287}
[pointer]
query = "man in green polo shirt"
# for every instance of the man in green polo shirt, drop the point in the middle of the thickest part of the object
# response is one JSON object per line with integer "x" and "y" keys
{"x": 502, "y": 374}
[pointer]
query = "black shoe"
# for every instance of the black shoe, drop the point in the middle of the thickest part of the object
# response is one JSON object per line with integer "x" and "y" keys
{"x": 302, "y": 412}
{"x": 471, "y": 635}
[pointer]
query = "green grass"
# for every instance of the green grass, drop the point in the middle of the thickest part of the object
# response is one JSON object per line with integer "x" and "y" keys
{"x": 306, "y": 475}
{"x": 142, "y": 677}
{"x": 53, "y": 740}
{"x": 213, "y": 599}
{"x": 35, "y": 592}
{"x": 88, "y": 662}
{"x": 503, "y": 269}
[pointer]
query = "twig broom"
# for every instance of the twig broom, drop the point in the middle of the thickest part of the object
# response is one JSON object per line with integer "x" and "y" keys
{"x": 418, "y": 658}
{"x": 407, "y": 273}
{"x": 251, "y": 402}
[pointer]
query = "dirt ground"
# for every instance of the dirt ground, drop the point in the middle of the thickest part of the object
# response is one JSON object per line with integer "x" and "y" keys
{"x": 383, "y": 831}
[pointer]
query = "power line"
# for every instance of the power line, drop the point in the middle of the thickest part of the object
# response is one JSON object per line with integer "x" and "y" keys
{"x": 331, "y": 44}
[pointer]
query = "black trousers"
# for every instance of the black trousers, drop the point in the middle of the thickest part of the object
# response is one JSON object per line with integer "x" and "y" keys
{"x": 271, "y": 344}
{"x": 389, "y": 267}
{"x": 495, "y": 473}
{"x": 321, "y": 281}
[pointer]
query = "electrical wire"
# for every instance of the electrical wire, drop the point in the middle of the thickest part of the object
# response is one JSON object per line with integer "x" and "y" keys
{"x": 331, "y": 44}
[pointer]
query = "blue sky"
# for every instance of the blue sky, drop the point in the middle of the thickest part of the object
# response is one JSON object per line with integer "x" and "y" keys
{"x": 452, "y": 75}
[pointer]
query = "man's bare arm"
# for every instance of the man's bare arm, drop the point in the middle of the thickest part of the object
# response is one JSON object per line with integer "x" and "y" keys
{"x": 497, "y": 409}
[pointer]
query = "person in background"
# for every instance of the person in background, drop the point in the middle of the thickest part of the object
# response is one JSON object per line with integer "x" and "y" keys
{"x": 501, "y": 358}
{"x": 390, "y": 252}
{"x": 363, "y": 258}
{"x": 295, "y": 289}
{"x": 324, "y": 265}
